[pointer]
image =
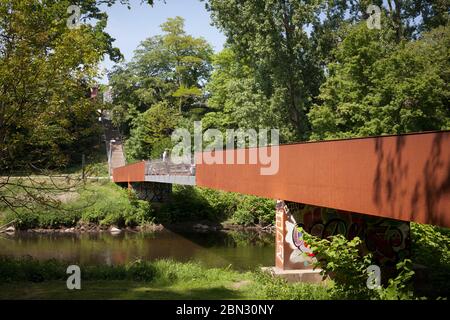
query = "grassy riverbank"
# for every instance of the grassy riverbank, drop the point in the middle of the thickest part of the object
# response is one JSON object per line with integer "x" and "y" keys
{"x": 103, "y": 204}
{"x": 164, "y": 279}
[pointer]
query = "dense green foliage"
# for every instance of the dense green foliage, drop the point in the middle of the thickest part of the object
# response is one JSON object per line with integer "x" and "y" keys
{"x": 313, "y": 70}
{"x": 150, "y": 133}
{"x": 106, "y": 204}
{"x": 431, "y": 248}
{"x": 342, "y": 261}
{"x": 376, "y": 87}
{"x": 100, "y": 204}
{"x": 160, "y": 89}
{"x": 300, "y": 58}
{"x": 190, "y": 203}
{"x": 47, "y": 118}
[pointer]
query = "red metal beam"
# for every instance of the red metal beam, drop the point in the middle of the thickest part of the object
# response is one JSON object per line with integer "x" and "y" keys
{"x": 131, "y": 173}
{"x": 404, "y": 177}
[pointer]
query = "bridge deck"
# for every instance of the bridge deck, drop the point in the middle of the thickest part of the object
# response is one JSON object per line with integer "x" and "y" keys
{"x": 156, "y": 171}
{"x": 404, "y": 177}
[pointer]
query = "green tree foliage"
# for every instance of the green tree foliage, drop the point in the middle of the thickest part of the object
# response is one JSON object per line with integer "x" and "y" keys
{"x": 172, "y": 67}
{"x": 151, "y": 132}
{"x": 162, "y": 87}
{"x": 47, "y": 118}
{"x": 289, "y": 47}
{"x": 272, "y": 38}
{"x": 378, "y": 87}
{"x": 46, "y": 72}
{"x": 236, "y": 98}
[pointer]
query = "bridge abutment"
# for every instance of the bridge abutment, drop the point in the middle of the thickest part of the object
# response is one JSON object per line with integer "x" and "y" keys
{"x": 152, "y": 191}
{"x": 387, "y": 239}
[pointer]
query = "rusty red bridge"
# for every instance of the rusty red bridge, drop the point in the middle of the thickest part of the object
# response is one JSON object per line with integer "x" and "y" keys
{"x": 367, "y": 187}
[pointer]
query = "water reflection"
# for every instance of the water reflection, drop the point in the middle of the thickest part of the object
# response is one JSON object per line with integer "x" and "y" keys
{"x": 241, "y": 250}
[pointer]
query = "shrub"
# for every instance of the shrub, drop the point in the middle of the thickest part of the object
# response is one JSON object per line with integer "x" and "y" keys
{"x": 401, "y": 286}
{"x": 111, "y": 205}
{"x": 190, "y": 203}
{"x": 340, "y": 259}
{"x": 254, "y": 210}
{"x": 140, "y": 271}
{"x": 431, "y": 248}
{"x": 105, "y": 204}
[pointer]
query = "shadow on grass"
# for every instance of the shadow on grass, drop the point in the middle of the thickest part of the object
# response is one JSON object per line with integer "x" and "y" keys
{"x": 113, "y": 290}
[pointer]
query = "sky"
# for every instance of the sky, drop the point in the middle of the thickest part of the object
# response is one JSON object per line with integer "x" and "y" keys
{"x": 130, "y": 27}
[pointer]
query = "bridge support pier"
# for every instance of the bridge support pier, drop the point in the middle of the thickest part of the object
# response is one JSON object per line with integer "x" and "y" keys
{"x": 387, "y": 239}
{"x": 152, "y": 191}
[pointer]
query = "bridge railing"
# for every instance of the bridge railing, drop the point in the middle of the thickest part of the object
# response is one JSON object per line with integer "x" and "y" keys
{"x": 162, "y": 168}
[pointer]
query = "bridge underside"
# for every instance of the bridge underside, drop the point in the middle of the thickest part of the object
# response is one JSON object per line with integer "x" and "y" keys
{"x": 388, "y": 240}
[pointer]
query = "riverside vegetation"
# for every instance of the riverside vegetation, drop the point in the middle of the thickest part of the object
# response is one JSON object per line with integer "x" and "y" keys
{"x": 339, "y": 259}
{"x": 105, "y": 204}
{"x": 340, "y": 80}
{"x": 166, "y": 279}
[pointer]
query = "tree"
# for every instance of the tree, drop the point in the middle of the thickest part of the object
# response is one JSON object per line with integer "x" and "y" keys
{"x": 172, "y": 67}
{"x": 236, "y": 99}
{"x": 288, "y": 44}
{"x": 378, "y": 87}
{"x": 46, "y": 71}
{"x": 272, "y": 38}
{"x": 151, "y": 133}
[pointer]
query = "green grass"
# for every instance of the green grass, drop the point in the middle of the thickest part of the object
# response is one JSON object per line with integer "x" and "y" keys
{"x": 163, "y": 279}
{"x": 121, "y": 290}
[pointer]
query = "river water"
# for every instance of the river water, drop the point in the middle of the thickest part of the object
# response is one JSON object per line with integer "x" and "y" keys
{"x": 243, "y": 250}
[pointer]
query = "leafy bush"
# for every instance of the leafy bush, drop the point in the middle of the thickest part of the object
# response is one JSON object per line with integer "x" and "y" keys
{"x": 253, "y": 210}
{"x": 341, "y": 260}
{"x": 401, "y": 286}
{"x": 431, "y": 248}
{"x": 189, "y": 203}
{"x": 140, "y": 271}
{"x": 104, "y": 204}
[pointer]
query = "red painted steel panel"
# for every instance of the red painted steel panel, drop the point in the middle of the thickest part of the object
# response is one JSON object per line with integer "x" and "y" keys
{"x": 131, "y": 173}
{"x": 404, "y": 177}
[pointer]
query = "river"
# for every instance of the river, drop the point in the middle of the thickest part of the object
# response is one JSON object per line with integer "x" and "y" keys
{"x": 243, "y": 250}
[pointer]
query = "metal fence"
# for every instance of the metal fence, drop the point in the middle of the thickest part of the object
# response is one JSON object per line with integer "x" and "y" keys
{"x": 162, "y": 168}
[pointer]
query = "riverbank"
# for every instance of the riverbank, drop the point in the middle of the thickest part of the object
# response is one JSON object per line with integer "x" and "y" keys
{"x": 102, "y": 205}
{"x": 192, "y": 226}
{"x": 163, "y": 279}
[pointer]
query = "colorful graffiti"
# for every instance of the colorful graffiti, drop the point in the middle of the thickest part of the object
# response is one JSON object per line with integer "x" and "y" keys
{"x": 387, "y": 239}
{"x": 291, "y": 251}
